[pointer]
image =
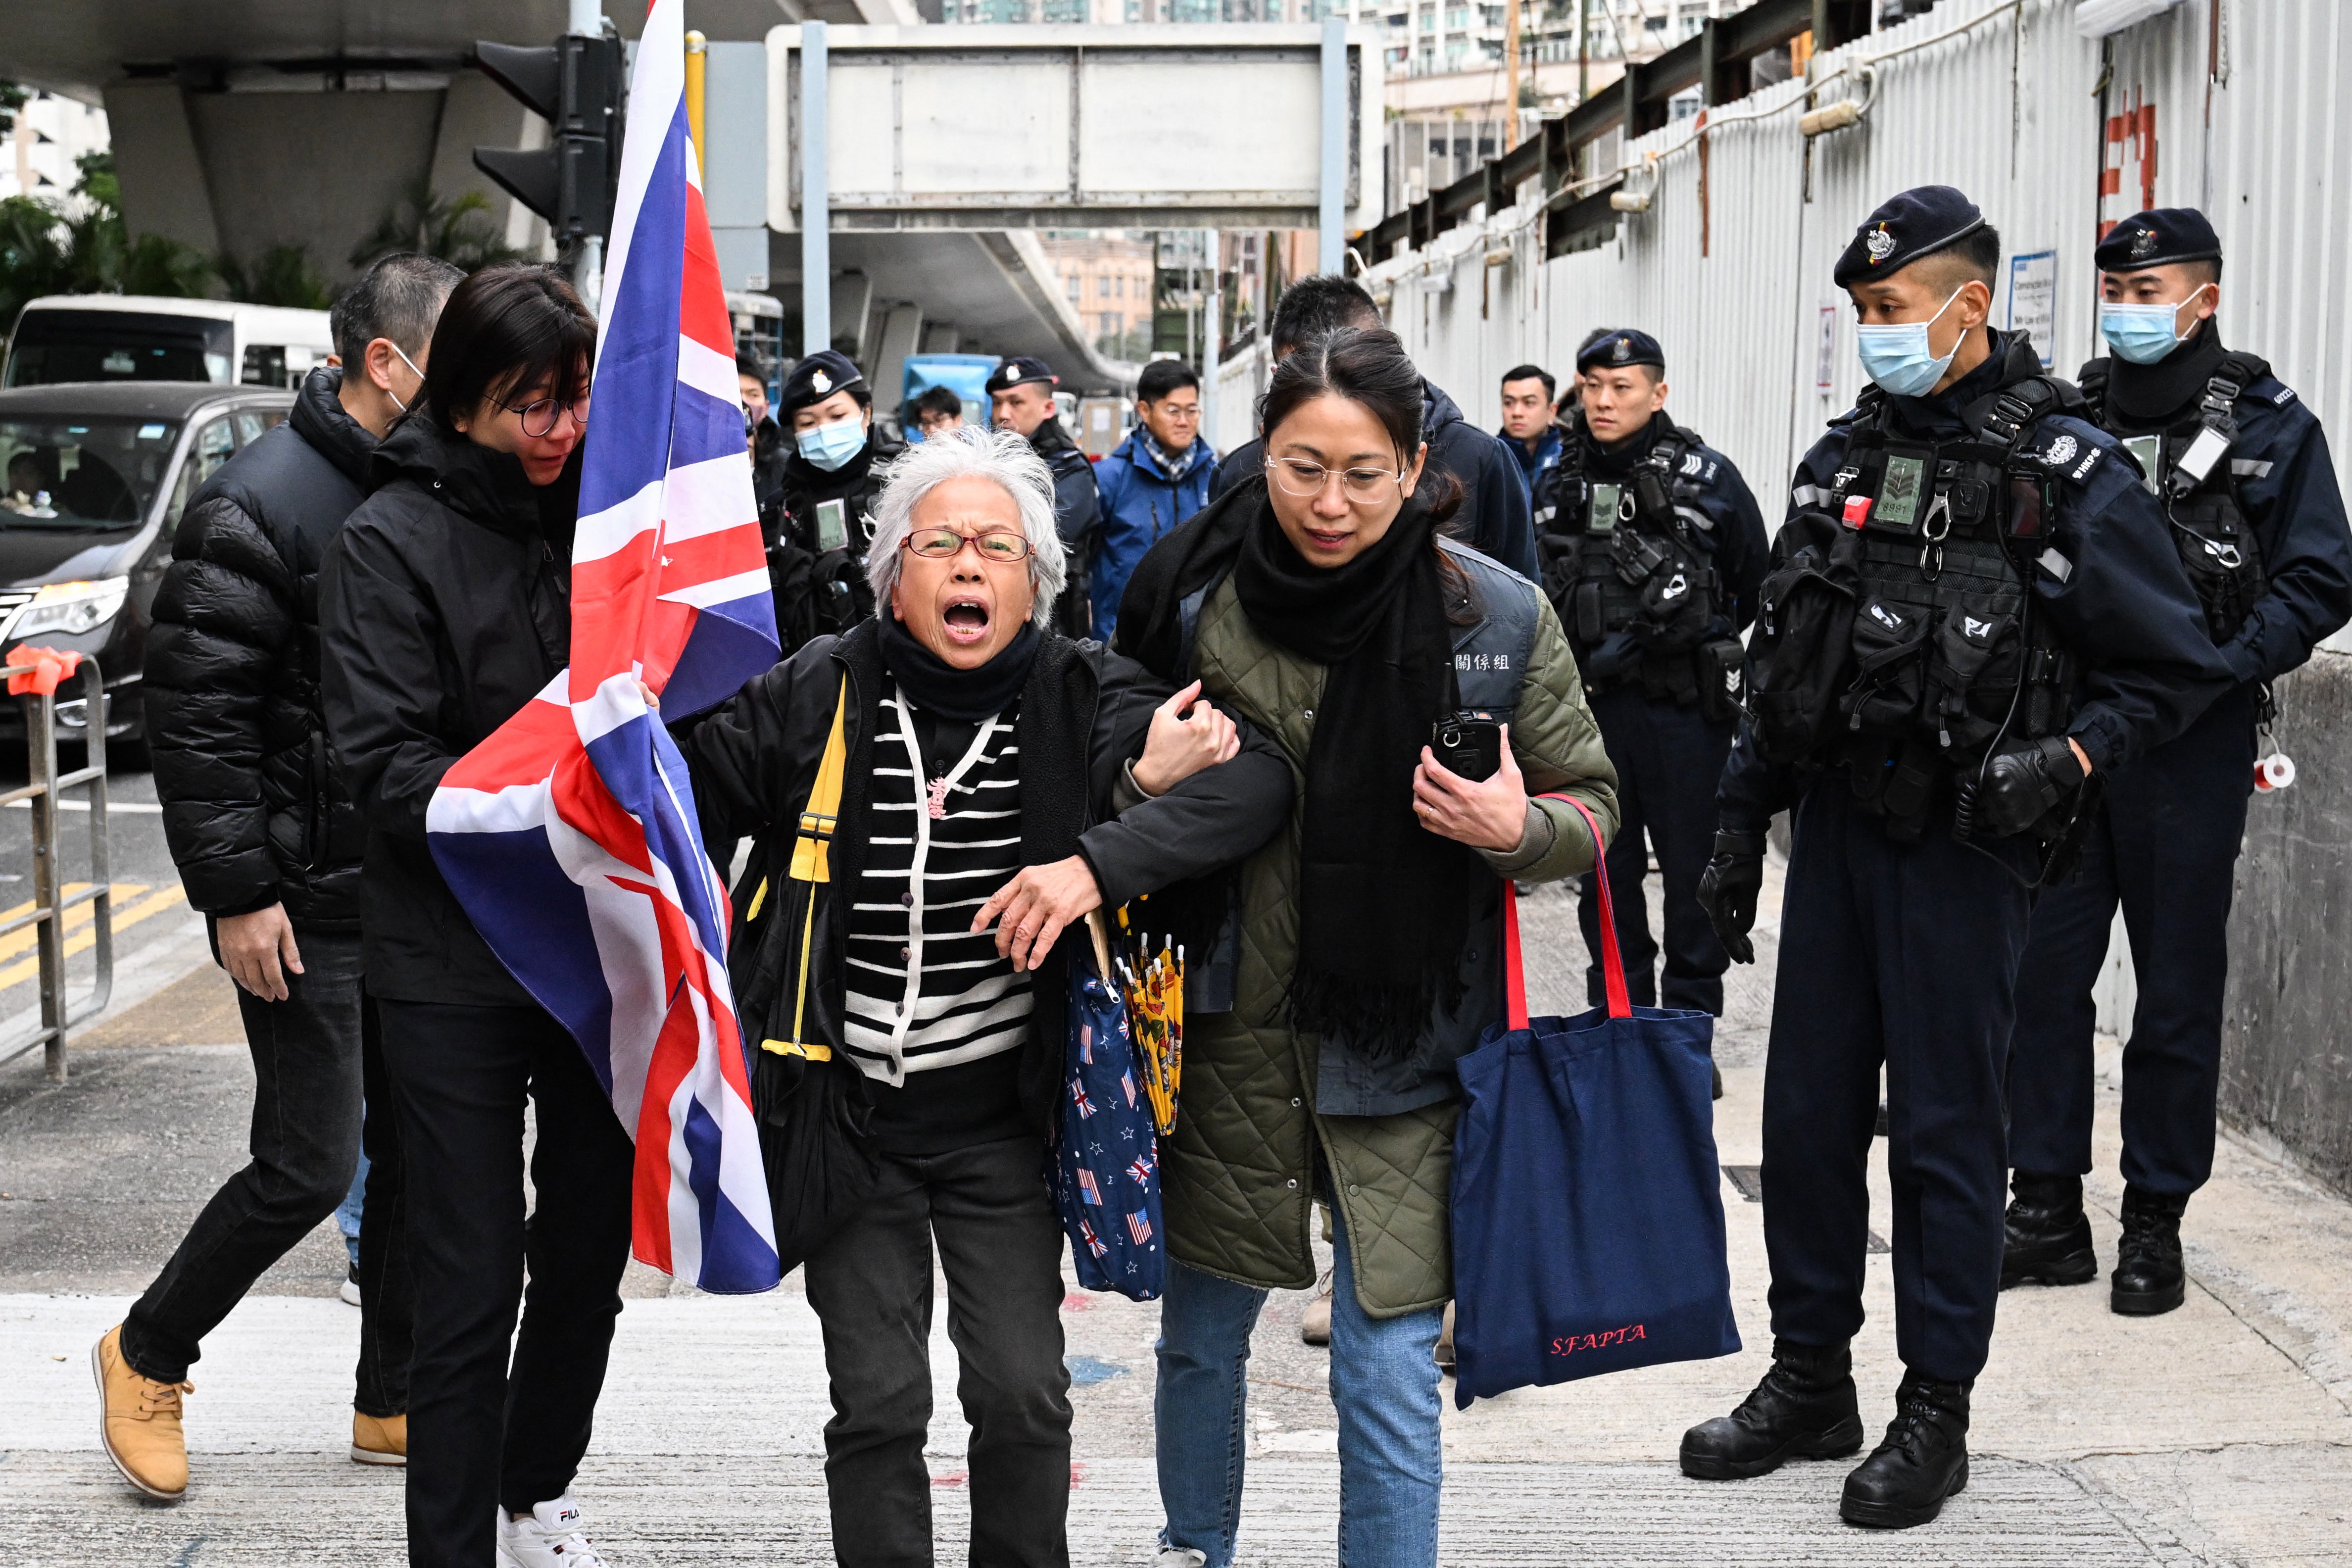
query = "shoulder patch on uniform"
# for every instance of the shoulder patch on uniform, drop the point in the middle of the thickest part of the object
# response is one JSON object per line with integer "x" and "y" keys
{"x": 2062, "y": 451}
{"x": 1692, "y": 464}
{"x": 2082, "y": 470}
{"x": 2285, "y": 395}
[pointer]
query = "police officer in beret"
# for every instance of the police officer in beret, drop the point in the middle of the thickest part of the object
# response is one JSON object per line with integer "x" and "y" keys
{"x": 2240, "y": 468}
{"x": 835, "y": 471}
{"x": 1020, "y": 399}
{"x": 1651, "y": 549}
{"x": 1972, "y": 616}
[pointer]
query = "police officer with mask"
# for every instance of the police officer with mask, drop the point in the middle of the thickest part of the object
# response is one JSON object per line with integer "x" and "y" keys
{"x": 2240, "y": 468}
{"x": 1020, "y": 399}
{"x": 1653, "y": 549}
{"x": 1972, "y": 610}
{"x": 835, "y": 472}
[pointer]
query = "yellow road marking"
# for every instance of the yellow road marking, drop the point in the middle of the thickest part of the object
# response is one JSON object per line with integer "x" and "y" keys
{"x": 80, "y": 915}
{"x": 153, "y": 904}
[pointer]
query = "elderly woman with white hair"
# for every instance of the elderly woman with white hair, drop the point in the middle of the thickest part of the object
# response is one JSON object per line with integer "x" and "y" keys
{"x": 999, "y": 775}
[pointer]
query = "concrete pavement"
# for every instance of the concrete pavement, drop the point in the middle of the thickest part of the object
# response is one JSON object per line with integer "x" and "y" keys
{"x": 2221, "y": 1434}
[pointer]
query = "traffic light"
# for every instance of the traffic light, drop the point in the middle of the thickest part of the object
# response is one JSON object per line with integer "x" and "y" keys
{"x": 576, "y": 85}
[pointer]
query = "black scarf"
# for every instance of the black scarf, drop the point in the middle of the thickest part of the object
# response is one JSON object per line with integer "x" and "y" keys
{"x": 2148, "y": 397}
{"x": 1384, "y": 903}
{"x": 962, "y": 696}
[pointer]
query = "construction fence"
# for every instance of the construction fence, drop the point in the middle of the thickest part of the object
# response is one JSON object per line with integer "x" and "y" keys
{"x": 1719, "y": 239}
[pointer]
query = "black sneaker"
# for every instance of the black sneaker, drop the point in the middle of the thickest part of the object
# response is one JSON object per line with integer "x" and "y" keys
{"x": 1803, "y": 1409}
{"x": 1922, "y": 1460}
{"x": 2048, "y": 1240}
{"x": 2148, "y": 1280}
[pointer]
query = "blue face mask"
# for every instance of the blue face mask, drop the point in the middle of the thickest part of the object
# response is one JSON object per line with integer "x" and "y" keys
{"x": 1898, "y": 358}
{"x": 2143, "y": 333}
{"x": 831, "y": 445}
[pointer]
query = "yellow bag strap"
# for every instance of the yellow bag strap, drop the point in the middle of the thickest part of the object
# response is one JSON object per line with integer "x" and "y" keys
{"x": 813, "y": 863}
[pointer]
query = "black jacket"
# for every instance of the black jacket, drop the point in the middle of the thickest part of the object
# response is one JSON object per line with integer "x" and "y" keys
{"x": 1078, "y": 518}
{"x": 446, "y": 606}
{"x": 1082, "y": 717}
{"x": 253, "y": 811}
{"x": 821, "y": 591}
{"x": 1493, "y": 519}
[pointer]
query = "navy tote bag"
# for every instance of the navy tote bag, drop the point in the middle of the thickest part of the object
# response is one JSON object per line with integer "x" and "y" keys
{"x": 1588, "y": 1208}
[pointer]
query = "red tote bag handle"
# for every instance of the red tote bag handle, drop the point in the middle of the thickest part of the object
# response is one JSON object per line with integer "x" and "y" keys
{"x": 1612, "y": 964}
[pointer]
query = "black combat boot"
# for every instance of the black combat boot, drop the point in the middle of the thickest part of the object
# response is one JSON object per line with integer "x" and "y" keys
{"x": 2049, "y": 1235}
{"x": 1804, "y": 1409}
{"x": 2148, "y": 1278}
{"x": 1922, "y": 1460}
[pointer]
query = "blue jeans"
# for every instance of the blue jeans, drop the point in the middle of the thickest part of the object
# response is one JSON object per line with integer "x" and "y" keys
{"x": 1384, "y": 1382}
{"x": 347, "y": 1217}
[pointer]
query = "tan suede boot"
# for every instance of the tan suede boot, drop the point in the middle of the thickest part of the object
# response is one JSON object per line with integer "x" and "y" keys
{"x": 379, "y": 1439}
{"x": 140, "y": 1421}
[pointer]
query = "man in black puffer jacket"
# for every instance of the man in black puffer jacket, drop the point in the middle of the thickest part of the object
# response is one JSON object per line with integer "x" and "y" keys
{"x": 268, "y": 845}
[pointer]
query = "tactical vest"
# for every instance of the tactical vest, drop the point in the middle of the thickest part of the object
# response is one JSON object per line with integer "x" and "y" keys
{"x": 1900, "y": 639}
{"x": 2187, "y": 468}
{"x": 1635, "y": 557}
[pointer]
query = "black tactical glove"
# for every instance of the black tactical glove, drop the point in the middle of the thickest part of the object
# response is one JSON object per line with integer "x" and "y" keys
{"x": 1728, "y": 889}
{"x": 2022, "y": 786}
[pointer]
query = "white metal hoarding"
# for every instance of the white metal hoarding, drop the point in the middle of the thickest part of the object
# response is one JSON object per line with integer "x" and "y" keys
{"x": 991, "y": 127}
{"x": 2239, "y": 115}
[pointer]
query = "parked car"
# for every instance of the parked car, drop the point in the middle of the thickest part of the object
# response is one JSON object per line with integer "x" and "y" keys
{"x": 130, "y": 337}
{"x": 93, "y": 478}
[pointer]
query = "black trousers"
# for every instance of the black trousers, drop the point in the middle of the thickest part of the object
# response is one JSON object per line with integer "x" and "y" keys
{"x": 1904, "y": 955}
{"x": 1000, "y": 1246}
{"x": 2166, "y": 849}
{"x": 497, "y": 1418}
{"x": 308, "y": 1068}
{"x": 1669, "y": 759}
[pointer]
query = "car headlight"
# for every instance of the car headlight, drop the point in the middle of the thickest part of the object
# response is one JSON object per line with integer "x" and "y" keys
{"x": 69, "y": 607}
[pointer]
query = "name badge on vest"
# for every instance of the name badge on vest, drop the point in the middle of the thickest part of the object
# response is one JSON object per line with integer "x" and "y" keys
{"x": 1605, "y": 509}
{"x": 1900, "y": 492}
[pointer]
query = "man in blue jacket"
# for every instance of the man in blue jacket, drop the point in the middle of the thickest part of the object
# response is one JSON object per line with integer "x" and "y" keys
{"x": 1152, "y": 481}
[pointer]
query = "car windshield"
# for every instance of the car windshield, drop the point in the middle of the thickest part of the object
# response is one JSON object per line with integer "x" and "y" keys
{"x": 73, "y": 473}
{"x": 53, "y": 346}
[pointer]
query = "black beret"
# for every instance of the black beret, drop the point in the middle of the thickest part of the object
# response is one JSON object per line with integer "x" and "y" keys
{"x": 1619, "y": 346}
{"x": 1018, "y": 369}
{"x": 1917, "y": 223}
{"x": 816, "y": 378}
{"x": 2157, "y": 238}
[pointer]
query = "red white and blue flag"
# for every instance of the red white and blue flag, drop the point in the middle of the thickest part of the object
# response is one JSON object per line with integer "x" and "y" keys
{"x": 570, "y": 835}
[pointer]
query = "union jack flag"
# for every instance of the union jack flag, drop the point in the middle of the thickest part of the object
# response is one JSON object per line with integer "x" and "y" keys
{"x": 1095, "y": 1246}
{"x": 1139, "y": 1227}
{"x": 1087, "y": 1186}
{"x": 570, "y": 835}
{"x": 1139, "y": 1173}
{"x": 1078, "y": 1096}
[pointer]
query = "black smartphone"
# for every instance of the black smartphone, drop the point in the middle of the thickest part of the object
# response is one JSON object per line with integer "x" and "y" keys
{"x": 1468, "y": 745}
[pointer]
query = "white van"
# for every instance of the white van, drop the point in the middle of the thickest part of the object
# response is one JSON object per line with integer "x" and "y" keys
{"x": 131, "y": 337}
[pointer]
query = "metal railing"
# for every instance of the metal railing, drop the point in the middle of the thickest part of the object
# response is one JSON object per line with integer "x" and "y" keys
{"x": 43, "y": 789}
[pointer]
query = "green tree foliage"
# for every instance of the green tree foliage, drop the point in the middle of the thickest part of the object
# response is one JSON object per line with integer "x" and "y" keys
{"x": 13, "y": 96}
{"x": 462, "y": 232}
{"x": 80, "y": 247}
{"x": 281, "y": 275}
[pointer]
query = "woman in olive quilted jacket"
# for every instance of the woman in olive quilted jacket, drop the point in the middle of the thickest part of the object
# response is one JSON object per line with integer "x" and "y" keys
{"x": 1323, "y": 602}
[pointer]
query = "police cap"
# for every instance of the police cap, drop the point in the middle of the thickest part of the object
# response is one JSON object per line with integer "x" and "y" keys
{"x": 2158, "y": 239}
{"x": 816, "y": 378}
{"x": 1916, "y": 223}
{"x": 1619, "y": 347}
{"x": 1018, "y": 369}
